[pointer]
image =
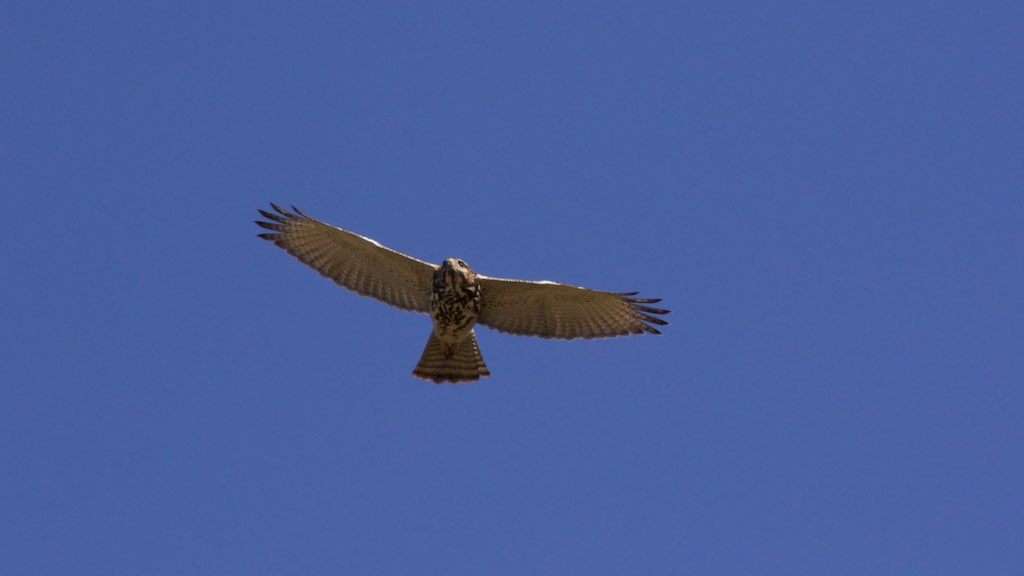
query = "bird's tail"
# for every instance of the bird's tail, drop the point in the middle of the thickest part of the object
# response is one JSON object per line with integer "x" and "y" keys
{"x": 459, "y": 363}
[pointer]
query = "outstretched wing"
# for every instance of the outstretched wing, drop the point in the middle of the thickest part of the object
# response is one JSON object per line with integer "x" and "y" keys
{"x": 552, "y": 310}
{"x": 353, "y": 261}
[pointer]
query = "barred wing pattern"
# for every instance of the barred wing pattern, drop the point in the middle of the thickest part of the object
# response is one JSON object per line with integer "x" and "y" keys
{"x": 553, "y": 310}
{"x": 355, "y": 262}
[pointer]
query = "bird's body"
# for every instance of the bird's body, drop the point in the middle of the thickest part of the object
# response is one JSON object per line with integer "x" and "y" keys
{"x": 456, "y": 297}
{"x": 454, "y": 301}
{"x": 452, "y": 353}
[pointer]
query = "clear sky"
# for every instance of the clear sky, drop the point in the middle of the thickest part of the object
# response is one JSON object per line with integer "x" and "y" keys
{"x": 829, "y": 196}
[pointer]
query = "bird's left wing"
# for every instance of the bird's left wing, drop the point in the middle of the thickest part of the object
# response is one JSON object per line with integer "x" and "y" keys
{"x": 553, "y": 310}
{"x": 355, "y": 262}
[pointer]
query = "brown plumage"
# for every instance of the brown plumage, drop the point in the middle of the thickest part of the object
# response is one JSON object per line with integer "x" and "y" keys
{"x": 456, "y": 297}
{"x": 462, "y": 362}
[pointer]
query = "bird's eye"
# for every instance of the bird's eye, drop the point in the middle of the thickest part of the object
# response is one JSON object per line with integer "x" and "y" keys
{"x": 461, "y": 263}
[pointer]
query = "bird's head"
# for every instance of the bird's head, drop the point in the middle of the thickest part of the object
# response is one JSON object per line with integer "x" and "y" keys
{"x": 458, "y": 266}
{"x": 457, "y": 272}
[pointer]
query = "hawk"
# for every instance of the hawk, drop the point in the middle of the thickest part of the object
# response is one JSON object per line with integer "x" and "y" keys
{"x": 456, "y": 297}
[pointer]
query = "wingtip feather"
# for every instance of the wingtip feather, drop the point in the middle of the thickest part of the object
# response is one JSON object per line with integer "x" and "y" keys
{"x": 652, "y": 319}
{"x": 652, "y": 310}
{"x": 269, "y": 225}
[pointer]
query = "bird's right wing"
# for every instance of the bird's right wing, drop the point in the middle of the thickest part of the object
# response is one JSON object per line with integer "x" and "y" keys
{"x": 553, "y": 310}
{"x": 353, "y": 261}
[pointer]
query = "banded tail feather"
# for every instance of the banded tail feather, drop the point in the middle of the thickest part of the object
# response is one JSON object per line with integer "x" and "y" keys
{"x": 461, "y": 363}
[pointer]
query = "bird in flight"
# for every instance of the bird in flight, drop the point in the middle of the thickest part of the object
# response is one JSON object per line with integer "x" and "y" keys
{"x": 455, "y": 296}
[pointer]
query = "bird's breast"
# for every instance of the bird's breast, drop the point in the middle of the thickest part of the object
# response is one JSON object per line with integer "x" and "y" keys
{"x": 454, "y": 309}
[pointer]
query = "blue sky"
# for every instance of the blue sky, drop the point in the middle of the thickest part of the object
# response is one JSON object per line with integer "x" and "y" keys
{"x": 828, "y": 196}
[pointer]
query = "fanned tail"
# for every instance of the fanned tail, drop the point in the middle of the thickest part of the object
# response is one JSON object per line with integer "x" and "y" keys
{"x": 461, "y": 364}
